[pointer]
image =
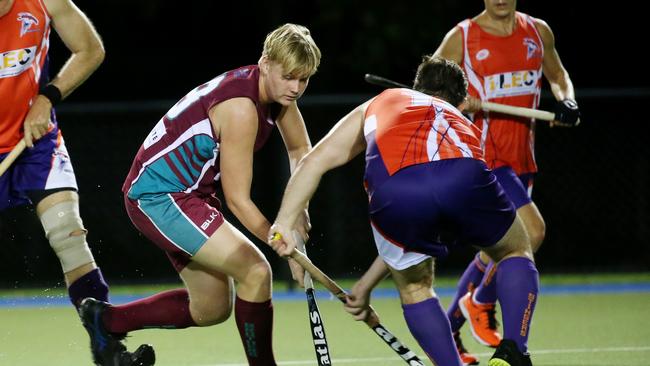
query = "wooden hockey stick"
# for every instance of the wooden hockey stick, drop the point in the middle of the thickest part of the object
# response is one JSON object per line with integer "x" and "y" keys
{"x": 486, "y": 106}
{"x": 11, "y": 157}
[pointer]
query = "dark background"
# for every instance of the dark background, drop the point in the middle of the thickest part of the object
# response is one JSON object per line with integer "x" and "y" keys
{"x": 593, "y": 189}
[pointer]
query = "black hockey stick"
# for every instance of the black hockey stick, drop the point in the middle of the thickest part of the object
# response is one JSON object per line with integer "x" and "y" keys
{"x": 373, "y": 319}
{"x": 315, "y": 318}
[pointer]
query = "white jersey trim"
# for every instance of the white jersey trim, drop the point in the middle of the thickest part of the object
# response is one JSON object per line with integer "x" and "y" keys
{"x": 472, "y": 78}
{"x": 395, "y": 256}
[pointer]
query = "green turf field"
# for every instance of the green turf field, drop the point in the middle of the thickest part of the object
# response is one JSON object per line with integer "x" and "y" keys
{"x": 568, "y": 330}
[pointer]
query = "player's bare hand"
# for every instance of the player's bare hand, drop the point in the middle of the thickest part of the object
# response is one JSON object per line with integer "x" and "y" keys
{"x": 37, "y": 121}
{"x": 358, "y": 302}
{"x": 470, "y": 105}
{"x": 303, "y": 225}
{"x": 281, "y": 240}
{"x": 297, "y": 272}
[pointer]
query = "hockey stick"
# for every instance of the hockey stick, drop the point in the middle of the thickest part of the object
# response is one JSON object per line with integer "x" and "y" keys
{"x": 373, "y": 319}
{"x": 9, "y": 159}
{"x": 486, "y": 106}
{"x": 315, "y": 318}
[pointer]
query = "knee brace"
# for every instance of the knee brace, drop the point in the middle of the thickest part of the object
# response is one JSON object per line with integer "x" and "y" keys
{"x": 66, "y": 234}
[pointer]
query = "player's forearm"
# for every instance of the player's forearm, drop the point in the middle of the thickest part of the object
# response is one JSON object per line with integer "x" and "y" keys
{"x": 562, "y": 88}
{"x": 300, "y": 189}
{"x": 251, "y": 217}
{"x": 295, "y": 155}
{"x": 377, "y": 272}
{"x": 78, "y": 68}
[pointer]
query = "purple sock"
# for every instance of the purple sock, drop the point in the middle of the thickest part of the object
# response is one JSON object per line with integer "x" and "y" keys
{"x": 430, "y": 327}
{"x": 518, "y": 285}
{"x": 486, "y": 292}
{"x": 469, "y": 280}
{"x": 91, "y": 284}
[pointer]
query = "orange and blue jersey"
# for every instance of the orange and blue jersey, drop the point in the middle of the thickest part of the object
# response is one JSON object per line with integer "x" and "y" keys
{"x": 404, "y": 127}
{"x": 24, "y": 43}
{"x": 506, "y": 70}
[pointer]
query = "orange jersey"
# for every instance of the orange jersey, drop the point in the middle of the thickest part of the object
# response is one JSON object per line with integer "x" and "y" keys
{"x": 404, "y": 127}
{"x": 506, "y": 70}
{"x": 24, "y": 42}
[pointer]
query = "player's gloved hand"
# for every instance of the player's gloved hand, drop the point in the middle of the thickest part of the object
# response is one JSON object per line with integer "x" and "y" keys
{"x": 567, "y": 113}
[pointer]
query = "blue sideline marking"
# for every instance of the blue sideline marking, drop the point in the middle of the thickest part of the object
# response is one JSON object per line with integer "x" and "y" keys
{"x": 298, "y": 294}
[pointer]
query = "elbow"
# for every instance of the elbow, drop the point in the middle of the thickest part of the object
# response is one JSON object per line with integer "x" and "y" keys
{"x": 232, "y": 205}
{"x": 308, "y": 162}
{"x": 299, "y": 152}
{"x": 99, "y": 55}
{"x": 236, "y": 204}
{"x": 94, "y": 55}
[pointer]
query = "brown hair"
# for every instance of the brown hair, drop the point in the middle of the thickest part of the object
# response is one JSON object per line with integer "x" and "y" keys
{"x": 441, "y": 78}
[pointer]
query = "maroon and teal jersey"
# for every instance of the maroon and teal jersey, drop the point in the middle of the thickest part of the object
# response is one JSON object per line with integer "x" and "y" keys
{"x": 181, "y": 153}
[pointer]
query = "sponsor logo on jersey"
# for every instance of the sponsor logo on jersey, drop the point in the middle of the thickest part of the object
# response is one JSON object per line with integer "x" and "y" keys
{"x": 14, "y": 62}
{"x": 511, "y": 83}
{"x": 27, "y": 20}
{"x": 532, "y": 48}
{"x": 209, "y": 220}
{"x": 482, "y": 54}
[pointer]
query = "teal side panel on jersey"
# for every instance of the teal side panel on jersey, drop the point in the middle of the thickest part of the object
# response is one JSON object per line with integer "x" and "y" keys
{"x": 180, "y": 167}
{"x": 205, "y": 145}
{"x": 157, "y": 178}
{"x": 170, "y": 221}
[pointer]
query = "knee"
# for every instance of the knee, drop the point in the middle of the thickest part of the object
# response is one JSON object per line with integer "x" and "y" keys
{"x": 206, "y": 312}
{"x": 413, "y": 293}
{"x": 515, "y": 243}
{"x": 259, "y": 274}
{"x": 415, "y": 284}
{"x": 67, "y": 235}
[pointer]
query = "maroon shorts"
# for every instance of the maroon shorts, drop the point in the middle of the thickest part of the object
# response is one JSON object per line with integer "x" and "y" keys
{"x": 178, "y": 223}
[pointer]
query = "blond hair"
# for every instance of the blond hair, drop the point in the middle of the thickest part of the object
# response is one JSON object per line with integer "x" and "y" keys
{"x": 291, "y": 46}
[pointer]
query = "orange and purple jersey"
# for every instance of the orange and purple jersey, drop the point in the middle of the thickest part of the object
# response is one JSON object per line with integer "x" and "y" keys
{"x": 506, "y": 70}
{"x": 404, "y": 127}
{"x": 24, "y": 42}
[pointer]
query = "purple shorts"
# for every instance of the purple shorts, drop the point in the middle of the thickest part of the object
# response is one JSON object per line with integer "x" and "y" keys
{"x": 44, "y": 166}
{"x": 177, "y": 223}
{"x": 518, "y": 188}
{"x": 425, "y": 208}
